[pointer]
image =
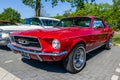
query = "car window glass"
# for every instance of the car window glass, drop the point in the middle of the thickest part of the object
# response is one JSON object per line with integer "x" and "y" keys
{"x": 98, "y": 24}
{"x": 46, "y": 22}
{"x": 32, "y": 21}
{"x": 55, "y": 23}
{"x": 81, "y": 22}
{"x": 49, "y": 22}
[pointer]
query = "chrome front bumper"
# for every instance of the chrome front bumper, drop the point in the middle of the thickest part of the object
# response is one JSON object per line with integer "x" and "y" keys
{"x": 14, "y": 49}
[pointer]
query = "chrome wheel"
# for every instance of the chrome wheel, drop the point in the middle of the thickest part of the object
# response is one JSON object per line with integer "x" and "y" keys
{"x": 76, "y": 61}
{"x": 110, "y": 42}
{"x": 79, "y": 58}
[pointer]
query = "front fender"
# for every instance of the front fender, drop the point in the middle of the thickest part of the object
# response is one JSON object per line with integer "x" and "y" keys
{"x": 76, "y": 42}
{"x": 110, "y": 34}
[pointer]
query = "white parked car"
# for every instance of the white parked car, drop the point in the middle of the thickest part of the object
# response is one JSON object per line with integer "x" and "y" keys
{"x": 29, "y": 23}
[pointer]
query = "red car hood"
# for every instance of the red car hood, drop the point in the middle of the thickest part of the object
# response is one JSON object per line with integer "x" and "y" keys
{"x": 51, "y": 32}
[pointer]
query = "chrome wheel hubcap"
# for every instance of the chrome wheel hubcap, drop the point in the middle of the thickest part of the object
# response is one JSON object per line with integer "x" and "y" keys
{"x": 79, "y": 58}
{"x": 110, "y": 42}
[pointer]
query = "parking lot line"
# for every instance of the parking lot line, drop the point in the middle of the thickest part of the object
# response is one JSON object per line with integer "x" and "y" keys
{"x": 118, "y": 44}
{"x": 9, "y": 61}
{"x": 114, "y": 77}
{"x": 5, "y": 75}
{"x": 118, "y": 70}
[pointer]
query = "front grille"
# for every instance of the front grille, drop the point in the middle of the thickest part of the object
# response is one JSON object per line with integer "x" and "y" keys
{"x": 28, "y": 42}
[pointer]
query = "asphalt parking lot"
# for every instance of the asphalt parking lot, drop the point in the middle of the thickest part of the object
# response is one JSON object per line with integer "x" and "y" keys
{"x": 101, "y": 65}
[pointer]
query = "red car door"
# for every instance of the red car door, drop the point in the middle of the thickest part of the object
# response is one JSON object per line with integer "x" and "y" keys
{"x": 99, "y": 32}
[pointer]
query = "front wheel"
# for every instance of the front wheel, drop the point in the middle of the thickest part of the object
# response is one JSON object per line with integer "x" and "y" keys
{"x": 76, "y": 61}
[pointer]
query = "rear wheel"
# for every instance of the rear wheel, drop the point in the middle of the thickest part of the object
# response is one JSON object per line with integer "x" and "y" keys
{"x": 75, "y": 62}
{"x": 109, "y": 43}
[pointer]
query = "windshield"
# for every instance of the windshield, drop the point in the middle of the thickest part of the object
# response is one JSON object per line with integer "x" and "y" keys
{"x": 48, "y": 22}
{"x": 76, "y": 21}
{"x": 32, "y": 21}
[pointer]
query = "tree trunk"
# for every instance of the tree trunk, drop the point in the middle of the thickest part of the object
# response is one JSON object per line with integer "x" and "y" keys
{"x": 38, "y": 8}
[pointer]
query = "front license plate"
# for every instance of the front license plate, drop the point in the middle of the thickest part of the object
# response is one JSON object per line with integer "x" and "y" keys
{"x": 25, "y": 55}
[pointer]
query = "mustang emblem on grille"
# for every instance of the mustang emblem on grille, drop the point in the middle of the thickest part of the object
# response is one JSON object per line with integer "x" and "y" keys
{"x": 23, "y": 41}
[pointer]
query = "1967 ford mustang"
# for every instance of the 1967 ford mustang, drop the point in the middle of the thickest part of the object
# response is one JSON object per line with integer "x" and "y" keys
{"x": 69, "y": 41}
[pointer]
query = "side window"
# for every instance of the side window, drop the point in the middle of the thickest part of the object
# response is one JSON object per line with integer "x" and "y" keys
{"x": 35, "y": 21}
{"x": 44, "y": 22}
{"x": 32, "y": 21}
{"x": 98, "y": 23}
{"x": 55, "y": 23}
{"x": 47, "y": 22}
{"x": 50, "y": 23}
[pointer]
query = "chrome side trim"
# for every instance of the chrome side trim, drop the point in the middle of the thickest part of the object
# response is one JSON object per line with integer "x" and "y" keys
{"x": 95, "y": 48}
{"x": 13, "y": 48}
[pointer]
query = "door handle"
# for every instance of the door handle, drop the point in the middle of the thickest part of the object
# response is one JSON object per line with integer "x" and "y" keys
{"x": 104, "y": 30}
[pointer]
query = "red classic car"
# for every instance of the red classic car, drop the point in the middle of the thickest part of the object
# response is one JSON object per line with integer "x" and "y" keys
{"x": 69, "y": 41}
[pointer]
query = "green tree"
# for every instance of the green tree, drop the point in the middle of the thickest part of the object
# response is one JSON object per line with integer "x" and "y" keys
{"x": 10, "y": 14}
{"x": 79, "y": 4}
{"x": 36, "y": 4}
{"x": 58, "y": 16}
{"x": 116, "y": 13}
{"x": 67, "y": 13}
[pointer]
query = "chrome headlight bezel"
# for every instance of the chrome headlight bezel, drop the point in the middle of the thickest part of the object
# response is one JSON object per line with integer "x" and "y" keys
{"x": 5, "y": 35}
{"x": 56, "y": 44}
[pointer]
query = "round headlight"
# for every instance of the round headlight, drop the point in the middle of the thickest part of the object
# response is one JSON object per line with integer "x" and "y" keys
{"x": 55, "y": 44}
{"x": 5, "y": 35}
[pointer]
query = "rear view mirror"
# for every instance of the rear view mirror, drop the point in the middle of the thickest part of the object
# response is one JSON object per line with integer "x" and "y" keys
{"x": 109, "y": 25}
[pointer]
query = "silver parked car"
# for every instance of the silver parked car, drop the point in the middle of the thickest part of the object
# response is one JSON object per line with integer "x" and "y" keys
{"x": 29, "y": 23}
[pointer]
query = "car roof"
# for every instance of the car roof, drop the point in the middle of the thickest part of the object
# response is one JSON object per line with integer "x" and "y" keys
{"x": 80, "y": 16}
{"x": 48, "y": 18}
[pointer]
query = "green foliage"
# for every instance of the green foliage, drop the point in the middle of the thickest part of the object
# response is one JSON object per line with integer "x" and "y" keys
{"x": 116, "y": 39}
{"x": 30, "y": 3}
{"x": 58, "y": 16}
{"x": 21, "y": 20}
{"x": 36, "y": 4}
{"x": 10, "y": 14}
{"x": 79, "y": 4}
{"x": 67, "y": 13}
